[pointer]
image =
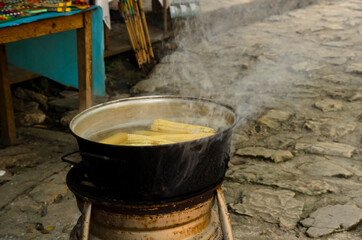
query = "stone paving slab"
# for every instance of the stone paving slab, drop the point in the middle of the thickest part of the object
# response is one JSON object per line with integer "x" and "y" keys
{"x": 273, "y": 206}
{"x": 275, "y": 155}
{"x": 327, "y": 148}
{"x": 332, "y": 218}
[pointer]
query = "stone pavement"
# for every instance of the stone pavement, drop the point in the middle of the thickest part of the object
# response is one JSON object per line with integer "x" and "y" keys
{"x": 35, "y": 202}
{"x": 296, "y": 82}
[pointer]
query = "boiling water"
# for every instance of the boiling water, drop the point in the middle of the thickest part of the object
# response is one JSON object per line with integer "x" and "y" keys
{"x": 131, "y": 129}
{"x": 107, "y": 133}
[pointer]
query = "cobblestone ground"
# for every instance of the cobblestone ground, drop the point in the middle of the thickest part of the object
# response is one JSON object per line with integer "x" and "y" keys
{"x": 296, "y": 82}
{"x": 296, "y": 172}
{"x": 35, "y": 202}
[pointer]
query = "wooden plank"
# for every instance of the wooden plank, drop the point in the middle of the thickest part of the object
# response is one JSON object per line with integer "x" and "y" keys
{"x": 147, "y": 5}
{"x": 84, "y": 46}
{"x": 8, "y": 132}
{"x": 119, "y": 40}
{"x": 17, "y": 75}
{"x": 41, "y": 28}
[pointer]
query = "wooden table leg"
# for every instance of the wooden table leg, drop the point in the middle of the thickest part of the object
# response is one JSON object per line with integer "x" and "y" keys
{"x": 8, "y": 132}
{"x": 106, "y": 36}
{"x": 84, "y": 45}
{"x": 164, "y": 16}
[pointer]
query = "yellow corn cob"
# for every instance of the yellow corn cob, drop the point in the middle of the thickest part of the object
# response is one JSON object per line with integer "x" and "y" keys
{"x": 149, "y": 133}
{"x": 137, "y": 144}
{"x": 160, "y": 125}
{"x": 139, "y": 140}
{"x": 116, "y": 139}
{"x": 89, "y": 184}
{"x": 183, "y": 137}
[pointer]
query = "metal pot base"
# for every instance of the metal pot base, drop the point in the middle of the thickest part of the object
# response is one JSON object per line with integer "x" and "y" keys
{"x": 198, "y": 222}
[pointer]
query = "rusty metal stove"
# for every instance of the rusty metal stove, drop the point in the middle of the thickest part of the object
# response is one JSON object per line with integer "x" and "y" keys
{"x": 107, "y": 217}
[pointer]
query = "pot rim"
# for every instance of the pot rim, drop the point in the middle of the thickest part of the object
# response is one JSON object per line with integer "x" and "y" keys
{"x": 237, "y": 119}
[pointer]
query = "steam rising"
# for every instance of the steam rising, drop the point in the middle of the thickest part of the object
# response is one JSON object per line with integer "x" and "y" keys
{"x": 246, "y": 67}
{"x": 250, "y": 68}
{"x": 235, "y": 66}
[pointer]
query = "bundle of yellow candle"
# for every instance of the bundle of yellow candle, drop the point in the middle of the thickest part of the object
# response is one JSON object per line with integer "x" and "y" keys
{"x": 136, "y": 25}
{"x": 161, "y": 132}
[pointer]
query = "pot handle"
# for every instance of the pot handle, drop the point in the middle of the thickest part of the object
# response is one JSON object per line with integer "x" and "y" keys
{"x": 64, "y": 158}
{"x": 85, "y": 154}
{"x": 95, "y": 156}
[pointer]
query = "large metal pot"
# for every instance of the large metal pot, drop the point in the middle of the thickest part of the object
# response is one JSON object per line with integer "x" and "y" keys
{"x": 148, "y": 173}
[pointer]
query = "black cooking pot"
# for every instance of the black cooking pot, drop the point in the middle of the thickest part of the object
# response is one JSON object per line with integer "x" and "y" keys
{"x": 147, "y": 173}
